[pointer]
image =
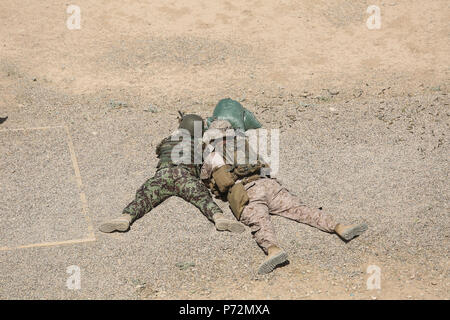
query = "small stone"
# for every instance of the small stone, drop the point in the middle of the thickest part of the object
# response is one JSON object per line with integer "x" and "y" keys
{"x": 147, "y": 291}
{"x": 151, "y": 108}
{"x": 185, "y": 265}
{"x": 117, "y": 104}
{"x": 333, "y": 93}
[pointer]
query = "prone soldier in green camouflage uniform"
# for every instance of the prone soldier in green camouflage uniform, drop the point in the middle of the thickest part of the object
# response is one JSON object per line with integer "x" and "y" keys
{"x": 175, "y": 178}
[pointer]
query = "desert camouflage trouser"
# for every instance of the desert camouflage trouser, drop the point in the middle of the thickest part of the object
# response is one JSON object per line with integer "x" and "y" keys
{"x": 168, "y": 182}
{"x": 267, "y": 197}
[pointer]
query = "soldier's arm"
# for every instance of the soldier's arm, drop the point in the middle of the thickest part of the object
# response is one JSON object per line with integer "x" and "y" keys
{"x": 257, "y": 159}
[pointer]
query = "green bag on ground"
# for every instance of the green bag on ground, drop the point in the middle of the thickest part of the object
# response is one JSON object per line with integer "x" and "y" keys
{"x": 238, "y": 116}
{"x": 250, "y": 121}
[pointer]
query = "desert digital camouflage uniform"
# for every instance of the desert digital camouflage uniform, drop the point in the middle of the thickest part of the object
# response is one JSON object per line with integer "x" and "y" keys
{"x": 264, "y": 195}
{"x": 268, "y": 196}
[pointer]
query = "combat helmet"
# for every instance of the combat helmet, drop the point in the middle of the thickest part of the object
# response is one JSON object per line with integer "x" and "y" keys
{"x": 188, "y": 121}
{"x": 239, "y": 117}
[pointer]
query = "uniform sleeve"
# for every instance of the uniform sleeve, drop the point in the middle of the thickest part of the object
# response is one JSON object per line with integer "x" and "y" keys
{"x": 213, "y": 161}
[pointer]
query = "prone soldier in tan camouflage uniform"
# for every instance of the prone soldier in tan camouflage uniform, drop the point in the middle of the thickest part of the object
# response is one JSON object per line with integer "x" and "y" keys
{"x": 253, "y": 196}
{"x": 174, "y": 179}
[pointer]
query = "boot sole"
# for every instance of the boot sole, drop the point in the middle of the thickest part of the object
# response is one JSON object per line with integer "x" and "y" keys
{"x": 271, "y": 264}
{"x": 355, "y": 231}
{"x": 225, "y": 225}
{"x": 109, "y": 227}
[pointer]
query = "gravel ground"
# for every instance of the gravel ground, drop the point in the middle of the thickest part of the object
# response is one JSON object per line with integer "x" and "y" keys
{"x": 367, "y": 141}
{"x": 380, "y": 161}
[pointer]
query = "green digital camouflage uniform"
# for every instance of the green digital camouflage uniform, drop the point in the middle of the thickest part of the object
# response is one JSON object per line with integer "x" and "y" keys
{"x": 177, "y": 174}
{"x": 172, "y": 179}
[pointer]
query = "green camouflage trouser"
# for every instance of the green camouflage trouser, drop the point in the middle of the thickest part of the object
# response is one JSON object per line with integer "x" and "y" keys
{"x": 168, "y": 182}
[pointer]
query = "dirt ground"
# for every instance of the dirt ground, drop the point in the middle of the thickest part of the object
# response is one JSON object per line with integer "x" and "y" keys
{"x": 364, "y": 124}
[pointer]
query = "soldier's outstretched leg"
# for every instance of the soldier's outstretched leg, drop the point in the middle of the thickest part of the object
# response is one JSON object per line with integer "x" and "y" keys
{"x": 256, "y": 216}
{"x": 191, "y": 189}
{"x": 289, "y": 206}
{"x": 154, "y": 191}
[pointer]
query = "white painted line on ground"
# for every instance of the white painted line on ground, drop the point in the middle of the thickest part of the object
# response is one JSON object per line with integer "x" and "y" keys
{"x": 83, "y": 198}
{"x": 48, "y": 244}
{"x": 35, "y": 128}
{"x": 80, "y": 183}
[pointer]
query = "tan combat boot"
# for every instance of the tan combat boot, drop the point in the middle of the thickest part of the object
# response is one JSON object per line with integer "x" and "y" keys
{"x": 349, "y": 232}
{"x": 275, "y": 257}
{"x": 224, "y": 224}
{"x": 121, "y": 224}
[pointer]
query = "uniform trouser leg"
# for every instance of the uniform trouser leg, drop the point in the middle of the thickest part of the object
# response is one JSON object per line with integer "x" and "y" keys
{"x": 154, "y": 191}
{"x": 173, "y": 181}
{"x": 256, "y": 216}
{"x": 194, "y": 191}
{"x": 289, "y": 206}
